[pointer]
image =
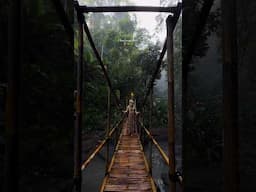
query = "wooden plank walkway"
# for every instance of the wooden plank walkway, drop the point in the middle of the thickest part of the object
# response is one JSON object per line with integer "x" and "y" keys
{"x": 128, "y": 170}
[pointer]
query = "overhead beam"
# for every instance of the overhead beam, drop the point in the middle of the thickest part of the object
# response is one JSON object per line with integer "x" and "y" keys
{"x": 88, "y": 9}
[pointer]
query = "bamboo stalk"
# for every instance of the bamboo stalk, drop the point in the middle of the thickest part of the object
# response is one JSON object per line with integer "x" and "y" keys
{"x": 171, "y": 124}
{"x": 99, "y": 147}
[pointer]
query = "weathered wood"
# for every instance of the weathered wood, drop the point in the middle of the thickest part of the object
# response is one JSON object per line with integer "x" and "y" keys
{"x": 171, "y": 123}
{"x": 230, "y": 96}
{"x": 78, "y": 117}
{"x": 128, "y": 170}
{"x": 87, "y": 9}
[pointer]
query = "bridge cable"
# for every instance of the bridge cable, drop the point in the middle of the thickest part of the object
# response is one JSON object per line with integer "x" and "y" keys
{"x": 159, "y": 62}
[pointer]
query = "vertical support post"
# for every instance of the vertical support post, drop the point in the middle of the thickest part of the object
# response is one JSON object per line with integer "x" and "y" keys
{"x": 184, "y": 104}
{"x": 142, "y": 121}
{"x": 78, "y": 120}
{"x": 116, "y": 135}
{"x": 108, "y": 128}
{"x": 150, "y": 128}
{"x": 230, "y": 96}
{"x": 171, "y": 124}
{"x": 11, "y": 182}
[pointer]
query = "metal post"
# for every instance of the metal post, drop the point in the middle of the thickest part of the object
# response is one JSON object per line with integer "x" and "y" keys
{"x": 78, "y": 120}
{"x": 11, "y": 182}
{"x": 150, "y": 128}
{"x": 230, "y": 97}
{"x": 171, "y": 124}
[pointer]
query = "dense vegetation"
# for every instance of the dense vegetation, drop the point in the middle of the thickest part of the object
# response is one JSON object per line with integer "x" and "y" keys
{"x": 130, "y": 57}
{"x": 48, "y": 82}
{"x": 46, "y": 126}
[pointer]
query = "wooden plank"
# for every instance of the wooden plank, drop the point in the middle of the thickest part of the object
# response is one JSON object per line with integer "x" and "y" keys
{"x": 129, "y": 170}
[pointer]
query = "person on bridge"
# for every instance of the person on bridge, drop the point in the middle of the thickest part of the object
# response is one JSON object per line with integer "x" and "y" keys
{"x": 131, "y": 111}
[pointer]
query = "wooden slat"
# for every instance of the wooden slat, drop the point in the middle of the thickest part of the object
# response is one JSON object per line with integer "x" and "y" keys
{"x": 128, "y": 170}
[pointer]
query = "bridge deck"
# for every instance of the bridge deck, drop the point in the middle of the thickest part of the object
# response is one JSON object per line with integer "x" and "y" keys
{"x": 128, "y": 170}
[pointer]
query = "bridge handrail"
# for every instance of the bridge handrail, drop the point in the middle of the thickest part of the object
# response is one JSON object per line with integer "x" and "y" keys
{"x": 161, "y": 151}
{"x": 101, "y": 145}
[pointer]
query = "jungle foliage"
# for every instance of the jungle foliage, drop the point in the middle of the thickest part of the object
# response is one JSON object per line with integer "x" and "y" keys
{"x": 129, "y": 55}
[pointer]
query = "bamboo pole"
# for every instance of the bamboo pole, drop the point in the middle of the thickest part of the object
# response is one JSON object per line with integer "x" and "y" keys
{"x": 150, "y": 128}
{"x": 171, "y": 124}
{"x": 78, "y": 120}
{"x": 159, "y": 62}
{"x": 87, "y": 9}
{"x": 98, "y": 57}
{"x": 100, "y": 146}
{"x": 153, "y": 186}
{"x": 108, "y": 127}
{"x": 161, "y": 151}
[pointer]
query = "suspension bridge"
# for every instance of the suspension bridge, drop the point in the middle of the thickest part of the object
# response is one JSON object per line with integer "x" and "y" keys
{"x": 128, "y": 169}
